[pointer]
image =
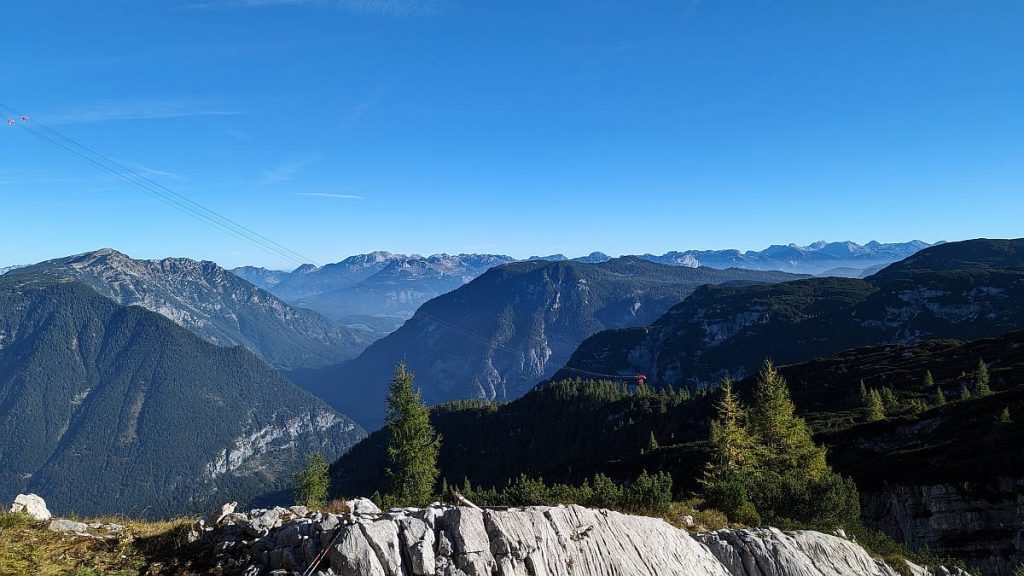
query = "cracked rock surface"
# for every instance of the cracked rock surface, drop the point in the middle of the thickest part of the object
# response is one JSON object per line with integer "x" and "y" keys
{"x": 535, "y": 541}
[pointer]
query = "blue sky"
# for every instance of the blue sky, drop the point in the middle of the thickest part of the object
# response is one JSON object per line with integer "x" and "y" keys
{"x": 342, "y": 126}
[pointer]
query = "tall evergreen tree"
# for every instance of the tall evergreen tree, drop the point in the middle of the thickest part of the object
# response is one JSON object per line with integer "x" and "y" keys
{"x": 892, "y": 404}
{"x": 929, "y": 380}
{"x": 1004, "y": 416}
{"x": 940, "y": 397}
{"x": 784, "y": 441}
{"x": 876, "y": 408}
{"x": 732, "y": 445}
{"x": 413, "y": 444}
{"x": 313, "y": 482}
{"x": 981, "y": 379}
{"x": 652, "y": 442}
{"x": 864, "y": 397}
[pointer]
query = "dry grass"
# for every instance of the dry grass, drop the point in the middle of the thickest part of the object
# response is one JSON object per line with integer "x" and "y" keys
{"x": 28, "y": 547}
{"x": 704, "y": 519}
{"x": 336, "y": 507}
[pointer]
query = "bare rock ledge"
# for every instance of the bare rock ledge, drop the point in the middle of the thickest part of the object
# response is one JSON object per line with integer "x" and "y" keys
{"x": 535, "y": 541}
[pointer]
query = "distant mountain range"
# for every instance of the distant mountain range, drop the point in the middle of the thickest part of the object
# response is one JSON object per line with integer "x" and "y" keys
{"x": 6, "y": 269}
{"x": 970, "y": 289}
{"x": 395, "y": 285}
{"x": 108, "y": 409}
{"x": 818, "y": 258}
{"x": 375, "y": 284}
{"x": 500, "y": 334}
{"x": 211, "y": 302}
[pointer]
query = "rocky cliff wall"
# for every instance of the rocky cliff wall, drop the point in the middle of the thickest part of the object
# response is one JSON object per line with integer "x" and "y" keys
{"x": 981, "y": 523}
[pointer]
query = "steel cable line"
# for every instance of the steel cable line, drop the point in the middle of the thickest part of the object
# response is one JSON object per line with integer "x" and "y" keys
{"x": 115, "y": 173}
{"x": 182, "y": 207}
{"x": 164, "y": 193}
{"x": 189, "y": 206}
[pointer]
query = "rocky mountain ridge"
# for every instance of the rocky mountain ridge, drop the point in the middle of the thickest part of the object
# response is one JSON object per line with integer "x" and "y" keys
{"x": 385, "y": 284}
{"x": 817, "y": 258}
{"x": 965, "y": 290}
{"x": 500, "y": 334}
{"x": 211, "y": 302}
{"x": 374, "y": 284}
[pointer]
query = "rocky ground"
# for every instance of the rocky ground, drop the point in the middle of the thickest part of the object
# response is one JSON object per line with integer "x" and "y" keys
{"x": 437, "y": 540}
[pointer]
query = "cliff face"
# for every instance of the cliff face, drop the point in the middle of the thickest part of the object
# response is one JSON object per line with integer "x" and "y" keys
{"x": 982, "y": 523}
{"x": 539, "y": 541}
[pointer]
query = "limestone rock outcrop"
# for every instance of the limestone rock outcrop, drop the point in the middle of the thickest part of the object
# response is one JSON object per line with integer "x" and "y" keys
{"x": 32, "y": 505}
{"x": 980, "y": 522}
{"x": 538, "y": 541}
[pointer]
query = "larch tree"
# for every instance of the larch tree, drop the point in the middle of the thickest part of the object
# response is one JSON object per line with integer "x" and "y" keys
{"x": 732, "y": 446}
{"x": 412, "y": 443}
{"x": 783, "y": 439}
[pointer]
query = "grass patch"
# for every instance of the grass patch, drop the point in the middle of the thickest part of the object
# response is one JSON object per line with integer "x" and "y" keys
{"x": 705, "y": 519}
{"x": 27, "y": 548}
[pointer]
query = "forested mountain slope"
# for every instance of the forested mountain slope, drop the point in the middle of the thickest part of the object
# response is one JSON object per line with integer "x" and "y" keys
{"x": 971, "y": 289}
{"x": 497, "y": 336}
{"x": 210, "y": 301}
{"x": 115, "y": 409}
{"x": 943, "y": 476}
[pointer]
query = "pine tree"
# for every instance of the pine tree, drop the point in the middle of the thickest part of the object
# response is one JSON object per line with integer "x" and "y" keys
{"x": 876, "y": 408}
{"x": 981, "y": 380}
{"x": 965, "y": 394}
{"x": 1004, "y": 416}
{"x": 652, "y": 442}
{"x": 412, "y": 442}
{"x": 940, "y": 397}
{"x": 784, "y": 441}
{"x": 892, "y": 404}
{"x": 732, "y": 446}
{"x": 313, "y": 482}
{"x": 864, "y": 398}
{"x": 929, "y": 381}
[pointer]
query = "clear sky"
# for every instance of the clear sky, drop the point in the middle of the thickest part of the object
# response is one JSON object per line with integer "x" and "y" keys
{"x": 530, "y": 127}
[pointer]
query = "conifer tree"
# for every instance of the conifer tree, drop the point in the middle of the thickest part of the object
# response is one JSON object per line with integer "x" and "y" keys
{"x": 784, "y": 441}
{"x": 412, "y": 442}
{"x": 929, "y": 381}
{"x": 313, "y": 482}
{"x": 652, "y": 442}
{"x": 981, "y": 380}
{"x": 940, "y": 397}
{"x": 876, "y": 408}
{"x": 892, "y": 404}
{"x": 732, "y": 445}
{"x": 864, "y": 398}
{"x": 965, "y": 394}
{"x": 1004, "y": 416}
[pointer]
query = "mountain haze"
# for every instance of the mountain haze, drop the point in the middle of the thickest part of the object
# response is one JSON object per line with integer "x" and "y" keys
{"x": 374, "y": 284}
{"x": 818, "y": 258}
